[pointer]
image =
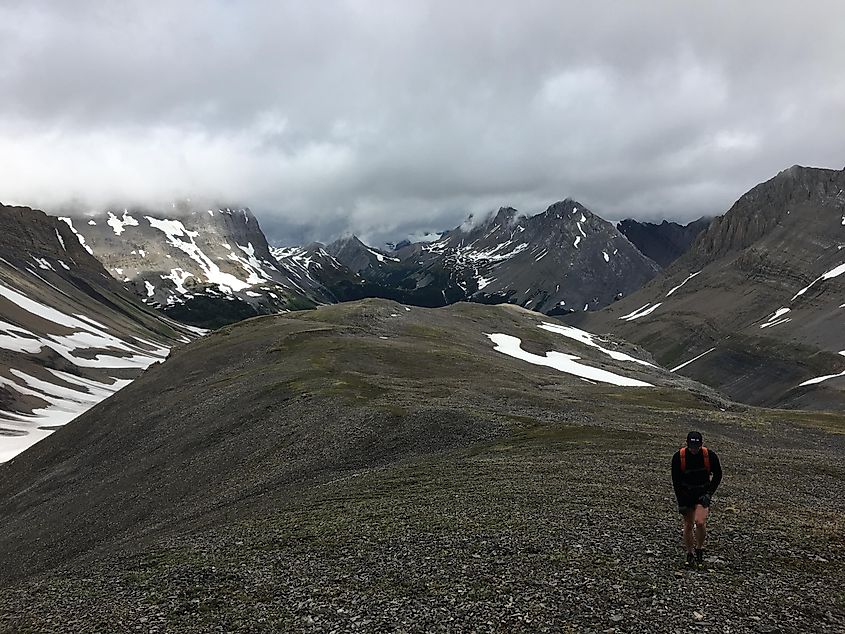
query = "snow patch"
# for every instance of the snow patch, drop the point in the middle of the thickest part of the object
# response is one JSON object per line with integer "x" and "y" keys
{"x": 589, "y": 339}
{"x": 178, "y": 277}
{"x": 641, "y": 312}
{"x": 686, "y": 363}
{"x": 835, "y": 272}
{"x": 512, "y": 346}
{"x": 689, "y": 277}
{"x": 775, "y": 318}
{"x": 827, "y": 377}
{"x": 119, "y": 225}
{"x": 381, "y": 257}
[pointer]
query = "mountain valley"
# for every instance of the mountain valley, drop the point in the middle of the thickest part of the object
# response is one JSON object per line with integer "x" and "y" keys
{"x": 370, "y": 463}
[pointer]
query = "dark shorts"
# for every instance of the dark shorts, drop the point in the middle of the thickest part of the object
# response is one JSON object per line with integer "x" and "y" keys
{"x": 687, "y": 503}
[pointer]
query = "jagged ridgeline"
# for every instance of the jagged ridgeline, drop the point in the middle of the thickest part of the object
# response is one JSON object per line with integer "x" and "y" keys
{"x": 211, "y": 266}
{"x": 562, "y": 260}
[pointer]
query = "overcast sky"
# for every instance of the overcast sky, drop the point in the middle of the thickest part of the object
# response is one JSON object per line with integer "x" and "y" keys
{"x": 394, "y": 117}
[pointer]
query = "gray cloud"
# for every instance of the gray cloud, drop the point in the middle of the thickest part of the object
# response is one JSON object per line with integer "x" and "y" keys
{"x": 385, "y": 118}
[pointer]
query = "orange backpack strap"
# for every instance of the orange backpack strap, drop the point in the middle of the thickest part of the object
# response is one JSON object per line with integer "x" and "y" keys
{"x": 706, "y": 459}
{"x": 683, "y": 459}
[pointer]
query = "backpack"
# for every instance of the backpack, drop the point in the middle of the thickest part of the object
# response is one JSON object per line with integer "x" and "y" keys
{"x": 704, "y": 452}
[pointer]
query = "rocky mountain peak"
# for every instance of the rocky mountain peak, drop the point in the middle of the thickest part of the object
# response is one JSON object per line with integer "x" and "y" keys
{"x": 797, "y": 195}
{"x": 198, "y": 262}
{"x": 504, "y": 217}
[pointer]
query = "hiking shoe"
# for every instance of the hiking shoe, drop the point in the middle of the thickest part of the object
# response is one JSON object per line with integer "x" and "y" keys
{"x": 699, "y": 557}
{"x": 690, "y": 560}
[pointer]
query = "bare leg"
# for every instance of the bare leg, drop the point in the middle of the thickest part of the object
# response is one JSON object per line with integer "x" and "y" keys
{"x": 700, "y": 518}
{"x": 689, "y": 523}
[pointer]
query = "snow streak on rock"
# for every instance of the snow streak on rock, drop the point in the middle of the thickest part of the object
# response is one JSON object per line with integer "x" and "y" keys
{"x": 691, "y": 275}
{"x": 641, "y": 312}
{"x": 835, "y": 272}
{"x": 827, "y": 377}
{"x": 78, "y": 235}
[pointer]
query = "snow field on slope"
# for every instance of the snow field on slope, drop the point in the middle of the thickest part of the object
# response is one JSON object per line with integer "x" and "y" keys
{"x": 70, "y": 395}
{"x": 119, "y": 225}
{"x": 777, "y": 318}
{"x": 590, "y": 339}
{"x": 512, "y": 347}
{"x": 21, "y": 431}
{"x": 181, "y": 238}
{"x": 79, "y": 236}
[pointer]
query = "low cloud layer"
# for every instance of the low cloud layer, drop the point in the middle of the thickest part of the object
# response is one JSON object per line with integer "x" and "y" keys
{"x": 393, "y": 118}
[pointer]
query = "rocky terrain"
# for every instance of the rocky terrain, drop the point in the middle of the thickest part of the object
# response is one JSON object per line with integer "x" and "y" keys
{"x": 204, "y": 265}
{"x": 70, "y": 335}
{"x": 665, "y": 242}
{"x": 375, "y": 467}
{"x": 562, "y": 260}
{"x": 755, "y": 307}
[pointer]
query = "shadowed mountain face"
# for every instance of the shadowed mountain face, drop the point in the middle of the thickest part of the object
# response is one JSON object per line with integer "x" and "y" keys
{"x": 70, "y": 335}
{"x": 755, "y": 307}
{"x": 562, "y": 260}
{"x": 381, "y": 464}
{"x": 665, "y": 242}
{"x": 202, "y": 266}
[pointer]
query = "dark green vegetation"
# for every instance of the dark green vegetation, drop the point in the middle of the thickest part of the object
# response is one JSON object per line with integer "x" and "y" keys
{"x": 300, "y": 472}
{"x": 215, "y": 311}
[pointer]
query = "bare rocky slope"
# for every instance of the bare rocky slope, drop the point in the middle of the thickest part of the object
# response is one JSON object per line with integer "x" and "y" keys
{"x": 206, "y": 266}
{"x": 375, "y": 467}
{"x": 755, "y": 307}
{"x": 70, "y": 335}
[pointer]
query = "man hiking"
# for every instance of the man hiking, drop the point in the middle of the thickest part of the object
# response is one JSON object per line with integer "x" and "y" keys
{"x": 696, "y": 474}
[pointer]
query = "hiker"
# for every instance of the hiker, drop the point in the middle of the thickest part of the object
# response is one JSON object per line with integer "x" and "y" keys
{"x": 696, "y": 474}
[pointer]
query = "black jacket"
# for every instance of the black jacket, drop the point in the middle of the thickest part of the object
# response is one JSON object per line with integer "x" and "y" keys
{"x": 695, "y": 480}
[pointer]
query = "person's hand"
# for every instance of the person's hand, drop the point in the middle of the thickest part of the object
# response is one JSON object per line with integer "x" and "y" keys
{"x": 705, "y": 499}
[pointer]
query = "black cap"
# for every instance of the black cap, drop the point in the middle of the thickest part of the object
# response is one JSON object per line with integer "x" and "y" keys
{"x": 694, "y": 438}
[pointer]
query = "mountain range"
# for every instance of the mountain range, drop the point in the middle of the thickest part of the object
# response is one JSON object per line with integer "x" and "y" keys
{"x": 365, "y": 464}
{"x": 377, "y": 464}
{"x": 208, "y": 267}
{"x": 561, "y": 260}
{"x": 755, "y": 307}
